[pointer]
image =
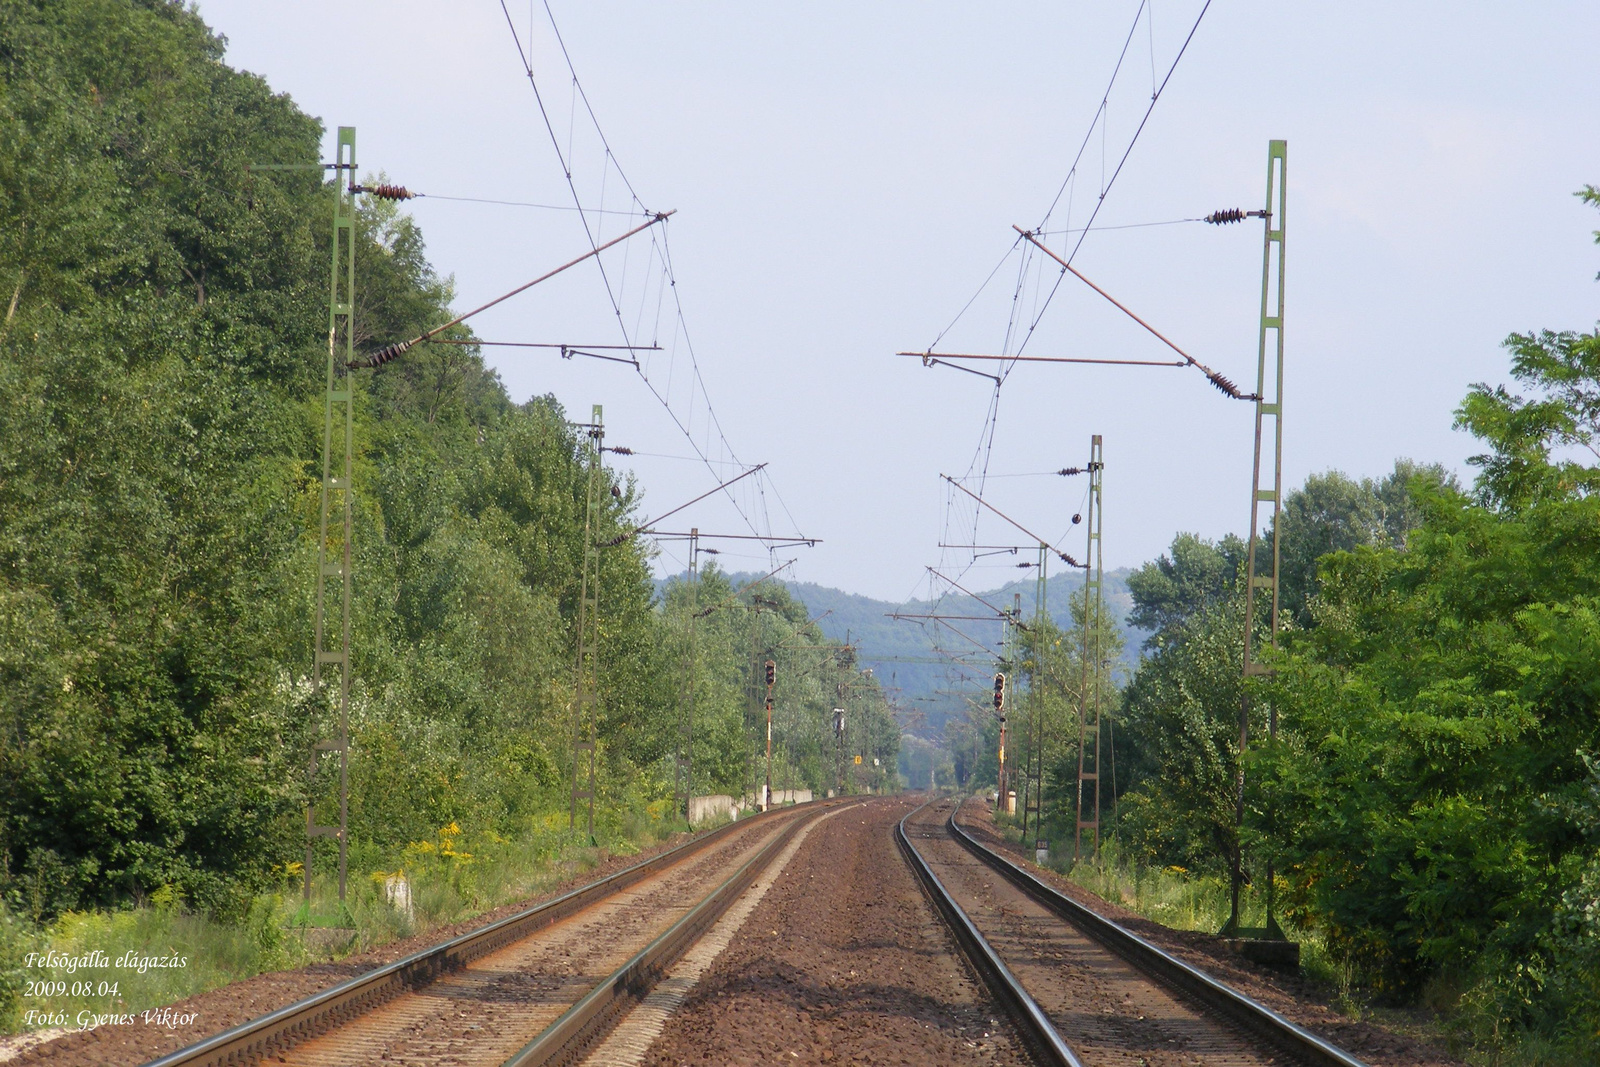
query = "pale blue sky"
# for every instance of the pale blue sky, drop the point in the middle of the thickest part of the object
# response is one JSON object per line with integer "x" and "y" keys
{"x": 847, "y": 174}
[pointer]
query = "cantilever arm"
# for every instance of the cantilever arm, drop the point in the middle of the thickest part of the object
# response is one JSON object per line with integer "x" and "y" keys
{"x": 1068, "y": 560}
{"x": 388, "y": 352}
{"x": 1214, "y": 377}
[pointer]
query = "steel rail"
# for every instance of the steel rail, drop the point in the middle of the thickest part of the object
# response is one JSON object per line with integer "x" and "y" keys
{"x": 1161, "y": 966}
{"x": 1037, "y": 1028}
{"x": 587, "y": 1021}
{"x": 277, "y": 1030}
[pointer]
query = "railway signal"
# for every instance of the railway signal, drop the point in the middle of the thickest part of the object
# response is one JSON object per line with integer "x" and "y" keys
{"x": 1000, "y": 712}
{"x": 838, "y": 746}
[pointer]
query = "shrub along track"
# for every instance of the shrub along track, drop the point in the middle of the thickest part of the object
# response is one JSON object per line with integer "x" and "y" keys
{"x": 1098, "y": 995}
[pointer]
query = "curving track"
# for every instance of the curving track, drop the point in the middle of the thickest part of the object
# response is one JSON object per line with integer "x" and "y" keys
{"x": 1087, "y": 991}
{"x": 537, "y": 988}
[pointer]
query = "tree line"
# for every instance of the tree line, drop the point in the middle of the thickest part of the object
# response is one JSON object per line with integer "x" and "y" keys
{"x": 161, "y": 388}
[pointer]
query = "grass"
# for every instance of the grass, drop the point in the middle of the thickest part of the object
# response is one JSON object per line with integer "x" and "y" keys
{"x": 455, "y": 877}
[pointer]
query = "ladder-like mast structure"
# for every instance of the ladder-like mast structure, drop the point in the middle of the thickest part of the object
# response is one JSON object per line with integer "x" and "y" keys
{"x": 683, "y": 785}
{"x": 586, "y": 684}
{"x": 1036, "y": 713}
{"x": 330, "y": 671}
{"x": 1088, "y": 816}
{"x": 1262, "y": 574}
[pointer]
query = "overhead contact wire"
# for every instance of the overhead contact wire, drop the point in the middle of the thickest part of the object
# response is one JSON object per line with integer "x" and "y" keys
{"x": 588, "y": 232}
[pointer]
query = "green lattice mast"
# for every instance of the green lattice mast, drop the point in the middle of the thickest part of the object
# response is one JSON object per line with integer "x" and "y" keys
{"x": 683, "y": 784}
{"x": 332, "y": 652}
{"x": 1269, "y": 405}
{"x": 1093, "y": 667}
{"x": 585, "y": 689}
{"x": 1035, "y": 802}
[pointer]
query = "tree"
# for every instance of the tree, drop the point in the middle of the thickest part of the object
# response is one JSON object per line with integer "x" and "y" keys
{"x": 161, "y": 361}
{"x": 1180, "y": 742}
{"x": 1433, "y": 780}
{"x": 1195, "y": 575}
{"x": 1335, "y": 513}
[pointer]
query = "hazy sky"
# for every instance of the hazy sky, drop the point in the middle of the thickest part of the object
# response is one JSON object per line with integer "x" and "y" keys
{"x": 847, "y": 175}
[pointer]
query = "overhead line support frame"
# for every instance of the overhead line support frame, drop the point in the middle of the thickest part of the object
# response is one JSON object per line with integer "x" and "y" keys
{"x": 1093, "y": 662}
{"x": 1269, "y": 405}
{"x": 585, "y": 689}
{"x": 683, "y": 777}
{"x": 335, "y": 509}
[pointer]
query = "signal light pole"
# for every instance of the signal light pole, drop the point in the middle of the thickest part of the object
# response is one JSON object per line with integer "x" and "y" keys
{"x": 1000, "y": 713}
{"x": 839, "y": 744}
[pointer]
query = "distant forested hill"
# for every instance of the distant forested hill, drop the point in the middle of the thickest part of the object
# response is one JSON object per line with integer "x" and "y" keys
{"x": 902, "y": 653}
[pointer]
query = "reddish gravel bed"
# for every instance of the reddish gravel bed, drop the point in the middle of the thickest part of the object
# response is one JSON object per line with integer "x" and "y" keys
{"x": 843, "y": 962}
{"x": 1105, "y": 1009}
{"x": 231, "y": 1005}
{"x": 482, "y": 1014}
{"x": 1289, "y": 994}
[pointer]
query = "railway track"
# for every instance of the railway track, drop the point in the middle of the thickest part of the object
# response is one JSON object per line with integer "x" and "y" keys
{"x": 538, "y": 987}
{"x": 1083, "y": 990}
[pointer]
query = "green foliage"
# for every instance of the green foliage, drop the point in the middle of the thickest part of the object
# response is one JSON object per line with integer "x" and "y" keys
{"x": 1179, "y": 743}
{"x": 17, "y": 939}
{"x": 1532, "y": 439}
{"x": 1440, "y": 711}
{"x": 1196, "y": 575}
{"x": 1432, "y": 800}
{"x": 735, "y": 632}
{"x": 1335, "y": 513}
{"x": 161, "y": 368}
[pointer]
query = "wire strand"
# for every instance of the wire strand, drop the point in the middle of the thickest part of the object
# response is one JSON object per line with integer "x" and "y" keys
{"x": 524, "y": 203}
{"x": 661, "y": 252}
